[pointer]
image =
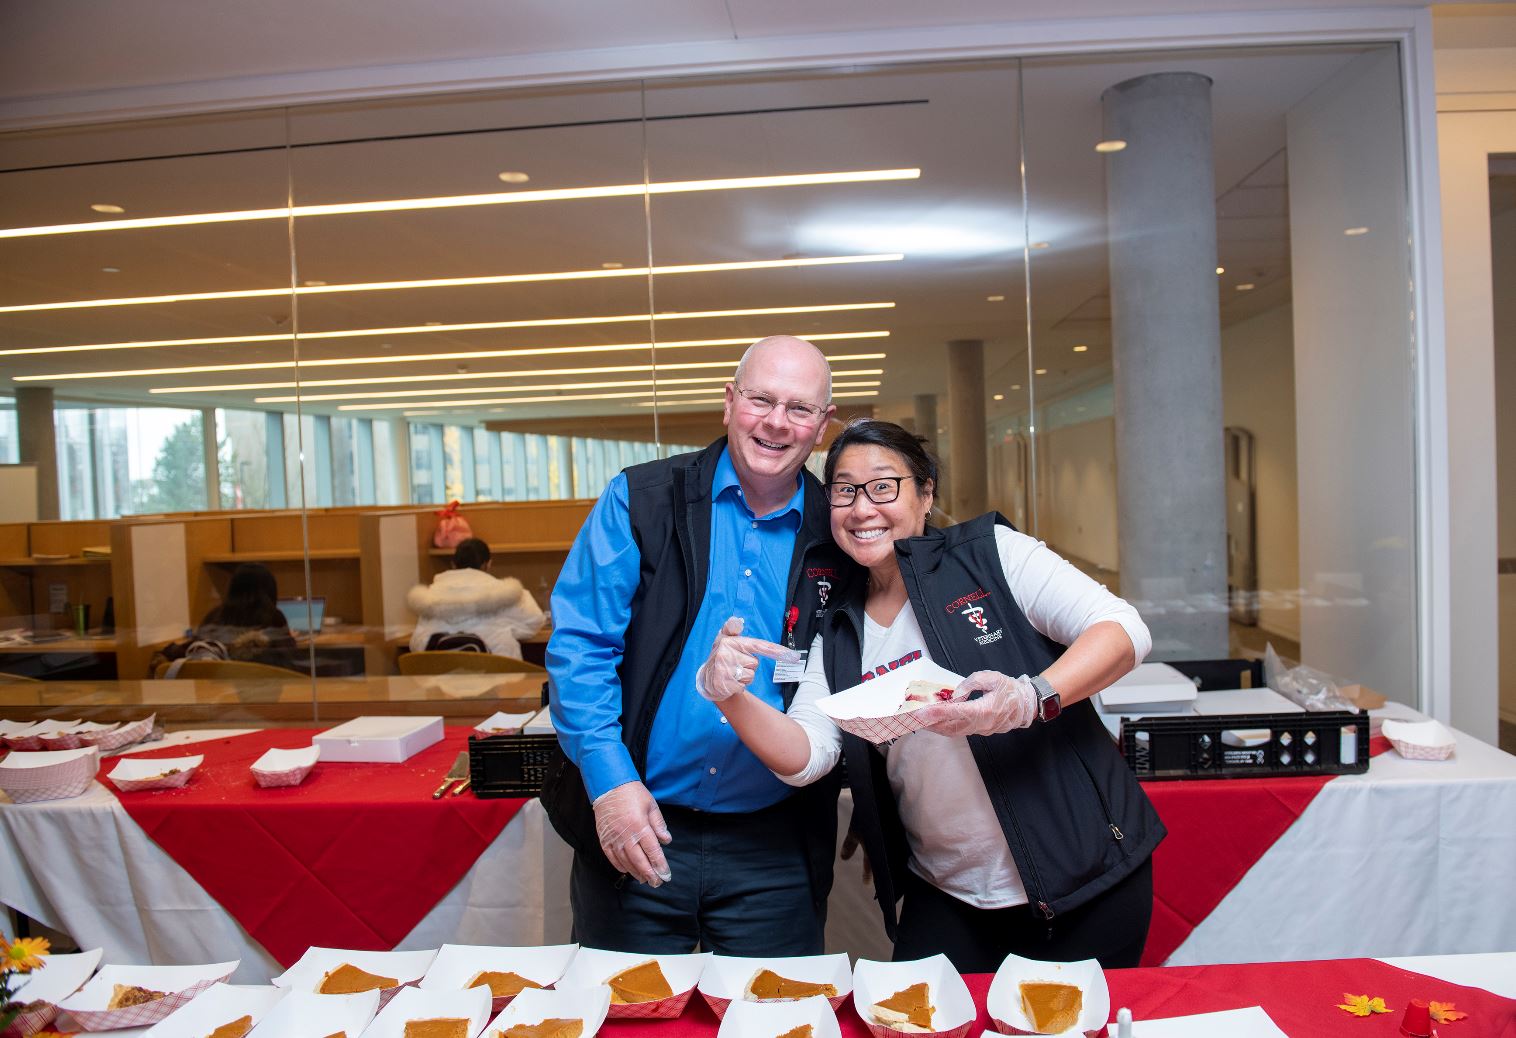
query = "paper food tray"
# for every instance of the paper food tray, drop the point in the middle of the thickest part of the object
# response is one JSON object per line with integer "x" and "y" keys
{"x": 1252, "y": 1022}
{"x": 87, "y": 1010}
{"x": 415, "y": 1004}
{"x": 64, "y": 975}
{"x": 767, "y": 1019}
{"x": 875, "y": 981}
{"x": 31, "y": 738}
{"x": 590, "y": 1005}
{"x": 868, "y": 710}
{"x": 31, "y": 776}
{"x": 134, "y": 774}
{"x": 457, "y": 964}
{"x": 1004, "y": 1000}
{"x": 75, "y": 737}
{"x": 125, "y": 735}
{"x": 306, "y": 975}
{"x": 284, "y": 767}
{"x": 217, "y": 1005}
{"x": 502, "y": 723}
{"x": 726, "y": 977}
{"x": 592, "y": 966}
{"x": 301, "y": 1014}
{"x": 1420, "y": 740}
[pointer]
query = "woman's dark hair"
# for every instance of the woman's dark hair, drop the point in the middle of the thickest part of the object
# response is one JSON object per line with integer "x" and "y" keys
{"x": 252, "y": 599}
{"x": 870, "y": 432}
{"x": 471, "y": 554}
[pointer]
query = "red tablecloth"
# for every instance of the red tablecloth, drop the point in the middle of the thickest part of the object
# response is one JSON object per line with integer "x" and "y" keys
{"x": 354, "y": 857}
{"x": 1218, "y": 829}
{"x": 1301, "y": 997}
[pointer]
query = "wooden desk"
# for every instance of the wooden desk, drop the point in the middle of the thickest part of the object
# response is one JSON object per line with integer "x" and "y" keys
{"x": 91, "y": 657}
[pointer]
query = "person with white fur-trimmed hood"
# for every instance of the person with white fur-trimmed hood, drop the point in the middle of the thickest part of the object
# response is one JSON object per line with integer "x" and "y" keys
{"x": 467, "y": 600}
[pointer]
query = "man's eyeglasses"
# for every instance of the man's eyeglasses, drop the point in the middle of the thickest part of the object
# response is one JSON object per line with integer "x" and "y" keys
{"x": 881, "y": 490}
{"x": 798, "y": 411}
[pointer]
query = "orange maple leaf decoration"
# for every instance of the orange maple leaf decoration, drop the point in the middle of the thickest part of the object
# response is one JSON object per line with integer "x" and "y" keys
{"x": 1444, "y": 1013}
{"x": 1363, "y": 1005}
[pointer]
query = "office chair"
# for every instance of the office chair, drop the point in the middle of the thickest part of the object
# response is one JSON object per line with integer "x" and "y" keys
{"x": 228, "y": 670}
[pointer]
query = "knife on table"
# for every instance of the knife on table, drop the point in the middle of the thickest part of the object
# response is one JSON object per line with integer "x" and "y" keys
{"x": 457, "y": 773}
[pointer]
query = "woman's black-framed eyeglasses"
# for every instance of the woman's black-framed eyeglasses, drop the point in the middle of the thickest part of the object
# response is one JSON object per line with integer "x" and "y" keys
{"x": 881, "y": 490}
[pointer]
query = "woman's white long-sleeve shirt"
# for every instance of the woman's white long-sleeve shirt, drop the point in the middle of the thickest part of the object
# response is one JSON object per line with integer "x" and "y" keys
{"x": 954, "y": 836}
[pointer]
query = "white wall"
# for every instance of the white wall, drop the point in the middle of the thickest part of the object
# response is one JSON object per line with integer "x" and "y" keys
{"x": 1353, "y": 390}
{"x": 1258, "y": 394}
{"x": 1076, "y": 487}
{"x": 1476, "y": 99}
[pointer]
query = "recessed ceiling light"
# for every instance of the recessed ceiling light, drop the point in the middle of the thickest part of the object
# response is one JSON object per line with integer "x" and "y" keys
{"x": 1221, "y": 270}
{"x": 994, "y": 299}
{"x": 1105, "y": 147}
{"x": 313, "y": 283}
{"x": 1040, "y": 371}
{"x": 110, "y": 270}
{"x": 1017, "y": 386}
{"x": 1081, "y": 348}
{"x": 1041, "y": 244}
{"x": 999, "y": 396}
{"x": 1353, "y": 232}
{"x": 610, "y": 265}
{"x": 106, "y": 207}
{"x": 1246, "y": 286}
{"x": 432, "y": 324}
{"x": 514, "y": 176}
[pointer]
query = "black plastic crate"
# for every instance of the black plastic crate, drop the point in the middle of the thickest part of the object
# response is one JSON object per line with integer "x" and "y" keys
{"x": 509, "y": 765}
{"x": 1332, "y": 742}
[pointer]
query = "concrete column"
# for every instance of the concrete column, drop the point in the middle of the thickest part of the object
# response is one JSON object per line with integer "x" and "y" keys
{"x": 966, "y": 426}
{"x": 38, "y": 443}
{"x": 926, "y": 425}
{"x": 1166, "y": 335}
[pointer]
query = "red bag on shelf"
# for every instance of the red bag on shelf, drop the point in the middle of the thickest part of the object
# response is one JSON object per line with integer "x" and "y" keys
{"x": 452, "y": 528}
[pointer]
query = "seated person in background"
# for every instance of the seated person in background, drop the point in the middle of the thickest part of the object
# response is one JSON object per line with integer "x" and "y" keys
{"x": 247, "y": 625}
{"x": 467, "y": 600}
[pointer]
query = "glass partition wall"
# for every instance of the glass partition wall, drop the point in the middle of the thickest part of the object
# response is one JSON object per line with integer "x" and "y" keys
{"x": 1150, "y": 307}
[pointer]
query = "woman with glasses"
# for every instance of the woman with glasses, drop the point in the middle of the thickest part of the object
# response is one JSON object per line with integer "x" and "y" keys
{"x": 1009, "y": 823}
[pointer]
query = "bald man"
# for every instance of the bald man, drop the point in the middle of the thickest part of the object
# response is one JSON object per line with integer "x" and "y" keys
{"x": 681, "y": 836}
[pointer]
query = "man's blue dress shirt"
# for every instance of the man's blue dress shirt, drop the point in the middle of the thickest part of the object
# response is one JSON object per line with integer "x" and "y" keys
{"x": 694, "y": 758}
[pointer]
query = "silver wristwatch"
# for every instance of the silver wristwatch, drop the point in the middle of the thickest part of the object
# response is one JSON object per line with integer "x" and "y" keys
{"x": 1049, "y": 705}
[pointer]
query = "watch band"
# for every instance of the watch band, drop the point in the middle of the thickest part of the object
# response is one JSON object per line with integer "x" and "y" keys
{"x": 1049, "y": 704}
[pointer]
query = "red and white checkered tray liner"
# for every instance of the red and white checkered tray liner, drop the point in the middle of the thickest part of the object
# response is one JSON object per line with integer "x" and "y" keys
{"x": 589, "y": 1005}
{"x": 727, "y": 976}
{"x": 64, "y": 975}
{"x": 132, "y": 731}
{"x": 284, "y": 767}
{"x": 406, "y": 966}
{"x": 591, "y": 966}
{"x": 457, "y": 964}
{"x": 27, "y": 778}
{"x": 875, "y": 981}
{"x": 869, "y": 710}
{"x": 31, "y": 1021}
{"x": 136, "y": 775}
{"x": 31, "y": 739}
{"x": 138, "y": 1016}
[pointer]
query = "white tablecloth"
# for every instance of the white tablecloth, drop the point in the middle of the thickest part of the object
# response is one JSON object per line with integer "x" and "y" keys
{"x": 1414, "y": 858}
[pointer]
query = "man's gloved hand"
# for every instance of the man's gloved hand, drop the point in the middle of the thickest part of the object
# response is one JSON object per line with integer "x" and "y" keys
{"x": 631, "y": 829}
{"x": 1007, "y": 703}
{"x": 733, "y": 662}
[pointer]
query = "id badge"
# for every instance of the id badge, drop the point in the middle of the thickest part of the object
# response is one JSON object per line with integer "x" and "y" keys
{"x": 785, "y": 673}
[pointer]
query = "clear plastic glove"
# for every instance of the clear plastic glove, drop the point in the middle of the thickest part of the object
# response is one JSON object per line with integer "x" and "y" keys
{"x": 733, "y": 662}
{"x": 1007, "y": 703}
{"x": 631, "y": 830}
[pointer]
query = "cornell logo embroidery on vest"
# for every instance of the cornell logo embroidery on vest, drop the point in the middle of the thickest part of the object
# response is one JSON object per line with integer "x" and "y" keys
{"x": 977, "y": 616}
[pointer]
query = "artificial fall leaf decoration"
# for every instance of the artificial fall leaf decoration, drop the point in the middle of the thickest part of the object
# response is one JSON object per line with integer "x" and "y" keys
{"x": 1444, "y": 1013}
{"x": 1362, "y": 1005}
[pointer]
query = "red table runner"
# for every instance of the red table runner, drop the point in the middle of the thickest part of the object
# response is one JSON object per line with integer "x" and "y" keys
{"x": 1301, "y": 997}
{"x": 1218, "y": 829}
{"x": 354, "y": 857}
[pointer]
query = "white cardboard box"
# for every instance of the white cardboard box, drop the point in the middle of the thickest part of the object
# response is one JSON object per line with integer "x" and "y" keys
{"x": 1151, "y": 688}
{"x": 379, "y": 740}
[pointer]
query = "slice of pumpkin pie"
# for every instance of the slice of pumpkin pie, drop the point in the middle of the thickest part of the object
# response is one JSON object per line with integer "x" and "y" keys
{"x": 502, "y": 983}
{"x": 643, "y": 982}
{"x": 768, "y": 986}
{"x": 550, "y": 1028}
{"x": 438, "y": 1027}
{"x": 909, "y": 1010}
{"x": 237, "y": 1028}
{"x": 348, "y": 979}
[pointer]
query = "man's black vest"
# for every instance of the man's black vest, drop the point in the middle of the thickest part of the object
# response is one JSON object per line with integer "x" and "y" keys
{"x": 669, "y": 502}
{"x": 1074, "y": 817}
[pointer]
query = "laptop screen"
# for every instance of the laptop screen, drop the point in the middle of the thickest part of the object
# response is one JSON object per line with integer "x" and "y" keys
{"x": 304, "y": 614}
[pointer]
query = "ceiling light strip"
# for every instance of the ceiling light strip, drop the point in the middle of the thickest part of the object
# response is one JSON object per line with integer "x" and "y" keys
{"x": 416, "y": 358}
{"x": 474, "y": 326}
{"x": 396, "y": 205}
{"x": 491, "y": 279}
{"x": 550, "y": 398}
{"x": 614, "y": 369}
